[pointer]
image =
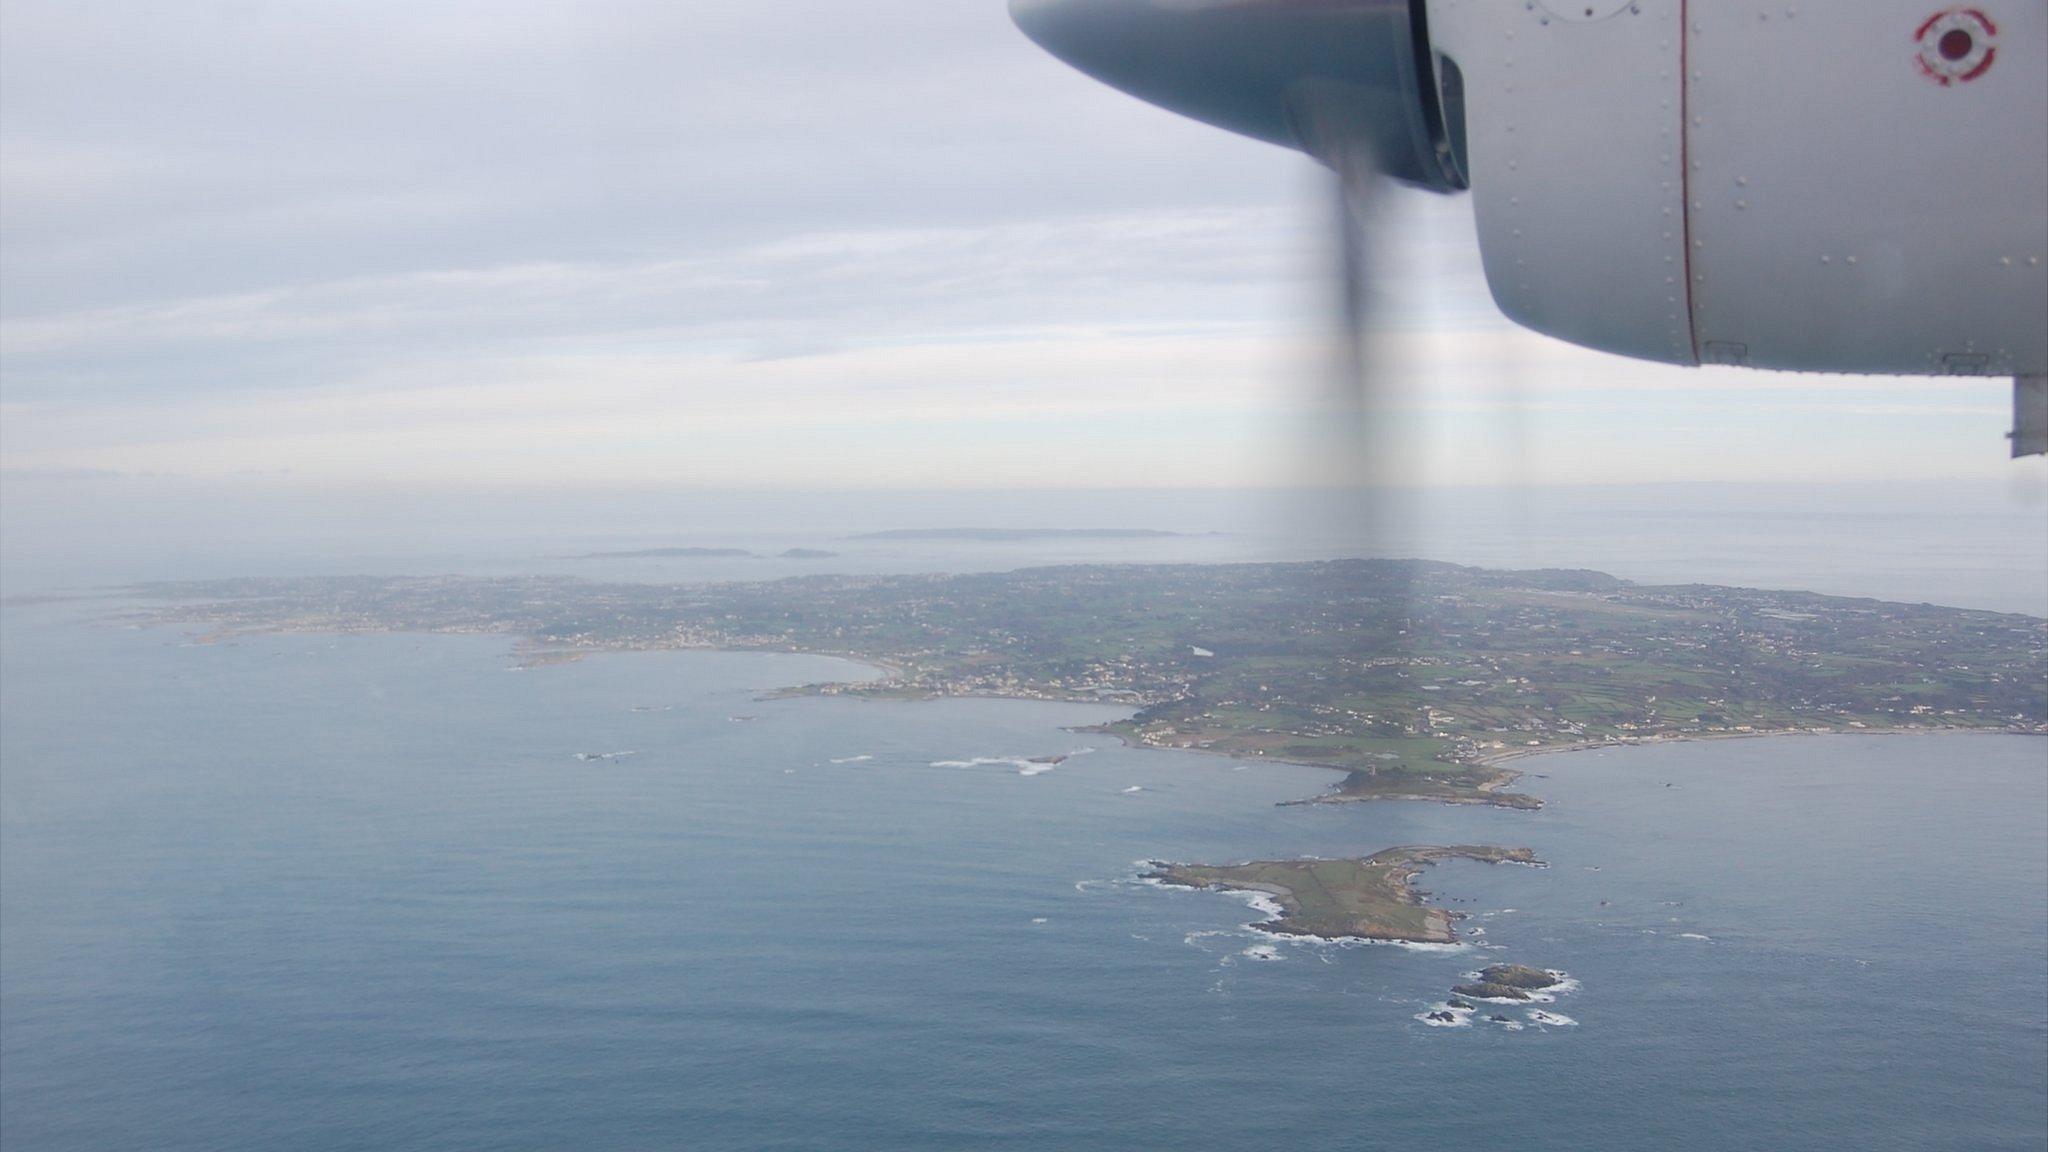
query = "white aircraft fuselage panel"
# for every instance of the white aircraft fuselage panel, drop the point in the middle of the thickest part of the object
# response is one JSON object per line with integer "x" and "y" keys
{"x": 1897, "y": 221}
{"x": 1844, "y": 187}
{"x": 1575, "y": 141}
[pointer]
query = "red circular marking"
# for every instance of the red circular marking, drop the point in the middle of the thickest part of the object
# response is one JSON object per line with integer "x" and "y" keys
{"x": 1956, "y": 44}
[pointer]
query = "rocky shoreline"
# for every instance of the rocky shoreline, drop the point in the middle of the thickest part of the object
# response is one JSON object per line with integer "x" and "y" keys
{"x": 1367, "y": 898}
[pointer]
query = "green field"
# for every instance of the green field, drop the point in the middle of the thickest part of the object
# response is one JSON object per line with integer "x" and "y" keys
{"x": 1415, "y": 679}
{"x": 1369, "y": 898}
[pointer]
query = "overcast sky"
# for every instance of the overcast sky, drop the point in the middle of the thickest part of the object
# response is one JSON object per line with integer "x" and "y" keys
{"x": 360, "y": 244}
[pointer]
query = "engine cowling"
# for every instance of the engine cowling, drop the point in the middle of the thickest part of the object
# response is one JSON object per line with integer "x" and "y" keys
{"x": 1302, "y": 75}
{"x": 1826, "y": 185}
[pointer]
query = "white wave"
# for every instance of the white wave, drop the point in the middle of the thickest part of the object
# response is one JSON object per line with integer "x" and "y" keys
{"x": 1435, "y": 1014}
{"x": 1023, "y": 765}
{"x": 1450, "y": 949}
{"x": 1550, "y": 1019}
{"x": 1509, "y": 1025}
{"x": 1038, "y": 919}
{"x": 1261, "y": 952}
{"x": 1258, "y": 901}
{"x": 1694, "y": 936}
{"x": 862, "y": 759}
{"x": 1133, "y": 789}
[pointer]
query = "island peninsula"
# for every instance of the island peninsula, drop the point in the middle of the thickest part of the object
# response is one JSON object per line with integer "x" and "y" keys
{"x": 1365, "y": 899}
{"x": 1417, "y": 680}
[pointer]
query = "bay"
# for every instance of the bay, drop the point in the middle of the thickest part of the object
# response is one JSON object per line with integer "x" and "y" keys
{"x": 360, "y": 892}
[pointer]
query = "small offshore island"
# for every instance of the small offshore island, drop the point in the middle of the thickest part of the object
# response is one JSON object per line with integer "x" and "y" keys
{"x": 1362, "y": 899}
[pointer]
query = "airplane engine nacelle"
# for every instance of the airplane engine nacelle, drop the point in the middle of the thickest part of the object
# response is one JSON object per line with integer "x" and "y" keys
{"x": 1829, "y": 185}
{"x": 1846, "y": 187}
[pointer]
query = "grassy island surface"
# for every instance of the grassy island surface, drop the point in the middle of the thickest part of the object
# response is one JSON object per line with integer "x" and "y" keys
{"x": 1369, "y": 898}
{"x": 1418, "y": 680}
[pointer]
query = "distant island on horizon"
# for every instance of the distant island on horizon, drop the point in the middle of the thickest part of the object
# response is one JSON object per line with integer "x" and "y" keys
{"x": 692, "y": 552}
{"x": 661, "y": 553}
{"x": 1010, "y": 534}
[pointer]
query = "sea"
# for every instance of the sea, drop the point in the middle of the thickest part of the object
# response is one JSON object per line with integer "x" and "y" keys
{"x": 394, "y": 892}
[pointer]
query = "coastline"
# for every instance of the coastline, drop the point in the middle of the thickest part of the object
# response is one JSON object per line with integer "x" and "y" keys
{"x": 888, "y": 678}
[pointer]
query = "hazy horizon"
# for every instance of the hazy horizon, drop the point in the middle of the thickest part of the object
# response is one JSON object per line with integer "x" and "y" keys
{"x": 464, "y": 247}
{"x": 1965, "y": 544}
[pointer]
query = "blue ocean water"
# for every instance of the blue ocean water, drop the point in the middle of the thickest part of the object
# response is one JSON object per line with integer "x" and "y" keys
{"x": 323, "y": 892}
